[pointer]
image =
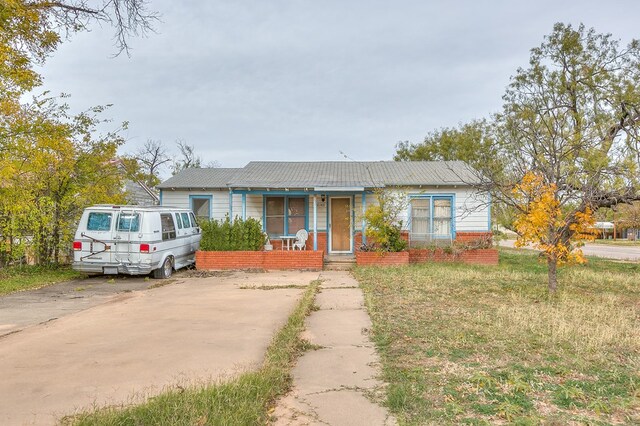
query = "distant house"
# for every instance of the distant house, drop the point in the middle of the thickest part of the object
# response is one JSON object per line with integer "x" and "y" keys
{"x": 136, "y": 191}
{"x": 328, "y": 199}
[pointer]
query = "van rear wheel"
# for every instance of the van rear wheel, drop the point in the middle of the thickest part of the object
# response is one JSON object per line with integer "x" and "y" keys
{"x": 165, "y": 270}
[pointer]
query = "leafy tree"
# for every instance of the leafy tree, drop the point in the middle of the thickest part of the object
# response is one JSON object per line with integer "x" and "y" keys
{"x": 49, "y": 174}
{"x": 628, "y": 215}
{"x": 470, "y": 142}
{"x": 572, "y": 119}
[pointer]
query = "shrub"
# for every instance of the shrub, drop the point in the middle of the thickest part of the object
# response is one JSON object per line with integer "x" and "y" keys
{"x": 225, "y": 235}
{"x": 384, "y": 224}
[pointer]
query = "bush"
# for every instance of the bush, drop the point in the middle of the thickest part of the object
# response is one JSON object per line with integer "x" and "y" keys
{"x": 225, "y": 235}
{"x": 384, "y": 224}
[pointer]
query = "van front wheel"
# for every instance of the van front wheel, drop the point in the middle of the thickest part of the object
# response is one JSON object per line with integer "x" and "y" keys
{"x": 165, "y": 270}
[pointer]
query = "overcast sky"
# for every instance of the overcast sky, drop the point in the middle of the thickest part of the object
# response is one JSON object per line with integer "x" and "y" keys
{"x": 304, "y": 80}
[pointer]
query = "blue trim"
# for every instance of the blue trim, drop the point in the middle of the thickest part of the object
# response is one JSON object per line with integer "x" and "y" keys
{"x": 315, "y": 223}
{"x": 300, "y": 193}
{"x": 160, "y": 200}
{"x": 432, "y": 197}
{"x": 231, "y": 205}
{"x": 202, "y": 197}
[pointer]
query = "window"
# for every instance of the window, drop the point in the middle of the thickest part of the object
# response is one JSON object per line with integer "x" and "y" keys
{"x": 442, "y": 217}
{"x": 168, "y": 226}
{"x": 179, "y": 220}
{"x": 194, "y": 223}
{"x": 185, "y": 220}
{"x": 201, "y": 205}
{"x": 99, "y": 222}
{"x": 296, "y": 215}
{"x": 285, "y": 215}
{"x": 420, "y": 219}
{"x": 129, "y": 222}
{"x": 431, "y": 218}
{"x": 275, "y": 216}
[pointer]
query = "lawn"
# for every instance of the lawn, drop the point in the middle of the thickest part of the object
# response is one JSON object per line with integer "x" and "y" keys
{"x": 618, "y": 242}
{"x": 464, "y": 344}
{"x": 16, "y": 278}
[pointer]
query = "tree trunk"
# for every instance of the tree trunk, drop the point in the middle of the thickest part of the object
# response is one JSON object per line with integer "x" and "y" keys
{"x": 552, "y": 266}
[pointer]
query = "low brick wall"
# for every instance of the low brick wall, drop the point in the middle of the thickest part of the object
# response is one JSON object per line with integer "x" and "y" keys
{"x": 364, "y": 258}
{"x": 462, "y": 236}
{"x": 480, "y": 256}
{"x": 224, "y": 260}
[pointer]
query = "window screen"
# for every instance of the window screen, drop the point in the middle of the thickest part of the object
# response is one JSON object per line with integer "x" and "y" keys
{"x": 168, "y": 226}
{"x": 99, "y": 221}
{"x": 296, "y": 215}
{"x": 420, "y": 219}
{"x": 201, "y": 207}
{"x": 442, "y": 217}
{"x": 275, "y": 216}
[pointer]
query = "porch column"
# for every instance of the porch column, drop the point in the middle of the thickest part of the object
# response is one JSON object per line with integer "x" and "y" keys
{"x": 364, "y": 209}
{"x": 244, "y": 206}
{"x": 231, "y": 204}
{"x": 315, "y": 223}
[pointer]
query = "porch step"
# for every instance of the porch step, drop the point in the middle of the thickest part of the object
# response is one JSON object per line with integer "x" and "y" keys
{"x": 339, "y": 263}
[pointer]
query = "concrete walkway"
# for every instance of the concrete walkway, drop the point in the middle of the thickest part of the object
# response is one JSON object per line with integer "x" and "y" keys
{"x": 136, "y": 344}
{"x": 332, "y": 384}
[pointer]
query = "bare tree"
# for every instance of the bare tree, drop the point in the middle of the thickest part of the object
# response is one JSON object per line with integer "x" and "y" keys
{"x": 128, "y": 17}
{"x": 151, "y": 158}
{"x": 189, "y": 159}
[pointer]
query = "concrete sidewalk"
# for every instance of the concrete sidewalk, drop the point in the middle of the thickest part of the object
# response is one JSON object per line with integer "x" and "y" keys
{"x": 331, "y": 383}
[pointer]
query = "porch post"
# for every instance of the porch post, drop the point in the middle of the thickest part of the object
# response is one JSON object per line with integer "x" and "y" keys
{"x": 315, "y": 223}
{"x": 244, "y": 206}
{"x": 364, "y": 209}
{"x": 231, "y": 204}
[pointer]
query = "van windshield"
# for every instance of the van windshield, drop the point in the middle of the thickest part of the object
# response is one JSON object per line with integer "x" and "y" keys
{"x": 99, "y": 221}
{"x": 129, "y": 222}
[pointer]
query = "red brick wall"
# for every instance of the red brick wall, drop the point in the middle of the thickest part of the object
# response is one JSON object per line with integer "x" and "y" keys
{"x": 480, "y": 257}
{"x": 471, "y": 236}
{"x": 322, "y": 241}
{"x": 364, "y": 258}
{"x": 277, "y": 259}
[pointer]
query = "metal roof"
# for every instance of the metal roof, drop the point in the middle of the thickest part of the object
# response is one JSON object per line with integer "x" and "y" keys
{"x": 326, "y": 174}
{"x": 208, "y": 178}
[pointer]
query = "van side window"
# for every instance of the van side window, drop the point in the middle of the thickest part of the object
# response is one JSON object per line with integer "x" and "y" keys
{"x": 179, "y": 221}
{"x": 168, "y": 226}
{"x": 129, "y": 222}
{"x": 194, "y": 222}
{"x": 185, "y": 220}
{"x": 99, "y": 221}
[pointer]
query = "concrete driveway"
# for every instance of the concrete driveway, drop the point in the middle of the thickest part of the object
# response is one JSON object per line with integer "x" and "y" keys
{"x": 601, "y": 250}
{"x": 131, "y": 345}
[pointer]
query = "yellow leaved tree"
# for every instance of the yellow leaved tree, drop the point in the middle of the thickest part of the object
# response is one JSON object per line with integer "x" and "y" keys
{"x": 556, "y": 231}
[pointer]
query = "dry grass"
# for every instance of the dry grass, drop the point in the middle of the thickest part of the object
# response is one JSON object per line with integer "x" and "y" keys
{"x": 487, "y": 345}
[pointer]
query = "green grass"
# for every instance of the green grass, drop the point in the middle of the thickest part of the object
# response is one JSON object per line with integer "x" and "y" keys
{"x": 16, "y": 278}
{"x": 245, "y": 400}
{"x": 463, "y": 344}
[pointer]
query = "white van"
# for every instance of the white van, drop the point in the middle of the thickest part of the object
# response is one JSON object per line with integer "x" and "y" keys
{"x": 135, "y": 240}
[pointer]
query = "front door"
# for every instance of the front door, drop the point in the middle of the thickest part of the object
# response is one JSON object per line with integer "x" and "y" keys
{"x": 340, "y": 224}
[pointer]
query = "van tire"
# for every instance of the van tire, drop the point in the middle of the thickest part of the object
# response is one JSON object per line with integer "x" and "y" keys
{"x": 165, "y": 270}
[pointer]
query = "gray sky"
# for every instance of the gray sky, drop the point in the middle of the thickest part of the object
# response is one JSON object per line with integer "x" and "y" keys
{"x": 303, "y": 80}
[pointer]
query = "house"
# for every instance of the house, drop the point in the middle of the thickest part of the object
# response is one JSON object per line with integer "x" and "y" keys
{"x": 328, "y": 199}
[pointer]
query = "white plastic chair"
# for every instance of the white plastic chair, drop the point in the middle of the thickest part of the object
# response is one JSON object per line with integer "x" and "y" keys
{"x": 301, "y": 239}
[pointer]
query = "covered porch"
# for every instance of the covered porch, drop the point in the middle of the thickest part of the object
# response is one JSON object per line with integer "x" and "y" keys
{"x": 332, "y": 216}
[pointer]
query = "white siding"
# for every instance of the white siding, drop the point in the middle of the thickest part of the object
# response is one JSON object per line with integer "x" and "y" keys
{"x": 220, "y": 207}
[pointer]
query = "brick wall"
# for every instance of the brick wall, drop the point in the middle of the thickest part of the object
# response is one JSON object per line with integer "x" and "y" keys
{"x": 277, "y": 259}
{"x": 322, "y": 241}
{"x": 471, "y": 236}
{"x": 480, "y": 257}
{"x": 364, "y": 258}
